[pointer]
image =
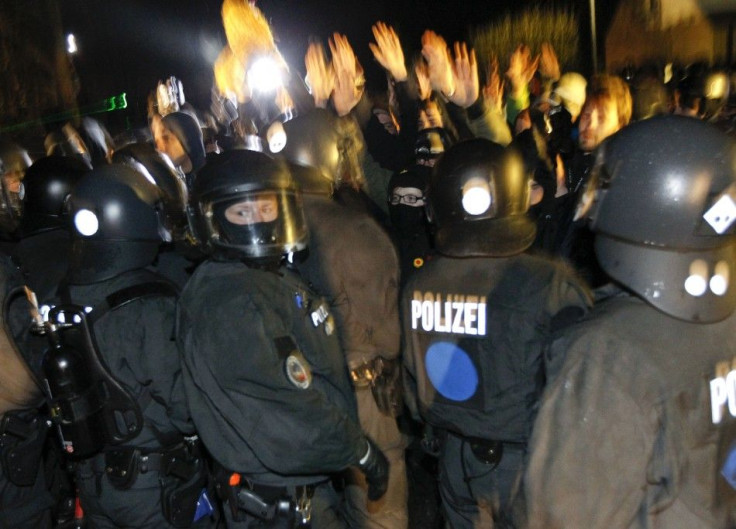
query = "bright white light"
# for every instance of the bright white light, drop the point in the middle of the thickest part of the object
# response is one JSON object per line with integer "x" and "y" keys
{"x": 86, "y": 222}
{"x": 264, "y": 75}
{"x": 476, "y": 196}
{"x": 719, "y": 281}
{"x": 71, "y": 43}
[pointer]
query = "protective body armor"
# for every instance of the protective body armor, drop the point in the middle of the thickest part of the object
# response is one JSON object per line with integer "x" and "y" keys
{"x": 477, "y": 331}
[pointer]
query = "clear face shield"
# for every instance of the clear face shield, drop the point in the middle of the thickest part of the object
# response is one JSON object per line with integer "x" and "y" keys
{"x": 256, "y": 224}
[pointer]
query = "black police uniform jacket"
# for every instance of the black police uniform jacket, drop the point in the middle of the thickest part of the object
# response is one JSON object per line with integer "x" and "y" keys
{"x": 265, "y": 378}
{"x": 137, "y": 343}
{"x": 638, "y": 429}
{"x": 476, "y": 330}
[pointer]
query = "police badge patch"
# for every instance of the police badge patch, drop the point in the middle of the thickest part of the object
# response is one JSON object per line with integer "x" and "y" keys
{"x": 297, "y": 371}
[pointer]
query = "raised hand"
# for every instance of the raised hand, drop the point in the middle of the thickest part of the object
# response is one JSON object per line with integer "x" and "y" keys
{"x": 549, "y": 66}
{"x": 424, "y": 87}
{"x": 439, "y": 63}
{"x": 493, "y": 90}
{"x": 466, "y": 76}
{"x": 349, "y": 78}
{"x": 521, "y": 68}
{"x": 320, "y": 75}
{"x": 387, "y": 51}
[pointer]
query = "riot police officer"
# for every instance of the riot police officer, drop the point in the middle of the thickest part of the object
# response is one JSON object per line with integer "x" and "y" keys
{"x": 352, "y": 261}
{"x": 477, "y": 319}
{"x": 177, "y": 258}
{"x": 264, "y": 374}
{"x": 637, "y": 429}
{"x": 25, "y": 501}
{"x": 42, "y": 256}
{"x": 138, "y": 463}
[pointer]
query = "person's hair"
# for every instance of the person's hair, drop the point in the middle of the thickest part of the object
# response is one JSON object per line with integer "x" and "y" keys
{"x": 604, "y": 87}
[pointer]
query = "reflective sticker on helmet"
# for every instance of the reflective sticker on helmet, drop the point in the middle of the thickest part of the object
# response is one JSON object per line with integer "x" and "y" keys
{"x": 298, "y": 372}
{"x": 721, "y": 215}
{"x": 451, "y": 371}
{"x": 86, "y": 222}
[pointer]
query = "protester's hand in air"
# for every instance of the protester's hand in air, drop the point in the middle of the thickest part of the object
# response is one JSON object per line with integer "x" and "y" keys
{"x": 387, "y": 51}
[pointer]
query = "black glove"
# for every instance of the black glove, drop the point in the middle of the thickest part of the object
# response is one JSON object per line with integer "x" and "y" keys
{"x": 375, "y": 467}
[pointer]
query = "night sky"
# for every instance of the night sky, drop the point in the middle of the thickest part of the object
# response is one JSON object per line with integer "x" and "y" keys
{"x": 128, "y": 45}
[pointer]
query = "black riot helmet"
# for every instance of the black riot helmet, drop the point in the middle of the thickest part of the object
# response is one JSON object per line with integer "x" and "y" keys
{"x": 662, "y": 202}
{"x": 46, "y": 189}
{"x": 313, "y": 146}
{"x": 97, "y": 139}
{"x": 159, "y": 169}
{"x": 67, "y": 141}
{"x": 478, "y": 199}
{"x": 117, "y": 223}
{"x": 246, "y": 207}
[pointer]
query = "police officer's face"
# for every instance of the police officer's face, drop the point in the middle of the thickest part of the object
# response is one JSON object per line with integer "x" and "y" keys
{"x": 598, "y": 121}
{"x": 262, "y": 208}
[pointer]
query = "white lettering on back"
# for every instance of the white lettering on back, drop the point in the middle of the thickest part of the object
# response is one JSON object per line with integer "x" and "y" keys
{"x": 448, "y": 313}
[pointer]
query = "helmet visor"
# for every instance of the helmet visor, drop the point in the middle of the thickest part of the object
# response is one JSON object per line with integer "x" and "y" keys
{"x": 256, "y": 224}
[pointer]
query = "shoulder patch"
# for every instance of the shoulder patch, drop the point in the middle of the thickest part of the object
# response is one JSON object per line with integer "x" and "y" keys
{"x": 298, "y": 371}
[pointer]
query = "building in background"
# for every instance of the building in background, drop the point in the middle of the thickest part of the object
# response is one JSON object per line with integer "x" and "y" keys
{"x": 38, "y": 78}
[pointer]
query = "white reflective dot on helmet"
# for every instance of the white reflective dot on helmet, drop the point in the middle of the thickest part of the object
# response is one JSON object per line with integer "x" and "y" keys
{"x": 276, "y": 136}
{"x": 86, "y": 223}
{"x": 696, "y": 283}
{"x": 719, "y": 282}
{"x": 476, "y": 196}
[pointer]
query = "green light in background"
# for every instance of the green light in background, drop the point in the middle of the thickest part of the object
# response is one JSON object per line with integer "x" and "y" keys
{"x": 118, "y": 102}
